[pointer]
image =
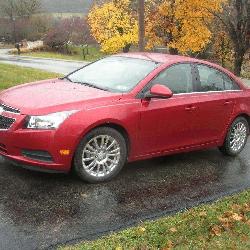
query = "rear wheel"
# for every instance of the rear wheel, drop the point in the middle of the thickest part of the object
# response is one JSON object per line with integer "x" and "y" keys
{"x": 236, "y": 137}
{"x": 101, "y": 155}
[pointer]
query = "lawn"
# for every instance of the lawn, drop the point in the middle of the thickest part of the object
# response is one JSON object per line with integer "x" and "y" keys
{"x": 93, "y": 55}
{"x": 13, "y": 75}
{"x": 222, "y": 225}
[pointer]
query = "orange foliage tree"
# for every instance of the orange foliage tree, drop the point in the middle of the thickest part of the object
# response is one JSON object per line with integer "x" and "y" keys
{"x": 182, "y": 25}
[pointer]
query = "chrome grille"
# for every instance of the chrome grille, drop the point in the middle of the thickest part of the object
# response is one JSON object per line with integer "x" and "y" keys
{"x": 7, "y": 108}
{"x": 6, "y": 122}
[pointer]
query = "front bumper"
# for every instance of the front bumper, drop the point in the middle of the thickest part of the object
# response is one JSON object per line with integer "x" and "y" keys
{"x": 33, "y": 167}
{"x": 15, "y": 140}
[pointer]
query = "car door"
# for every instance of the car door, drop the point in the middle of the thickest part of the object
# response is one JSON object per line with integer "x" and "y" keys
{"x": 215, "y": 102}
{"x": 168, "y": 124}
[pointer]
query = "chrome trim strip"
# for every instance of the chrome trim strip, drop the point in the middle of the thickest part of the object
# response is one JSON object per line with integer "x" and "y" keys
{"x": 9, "y": 107}
{"x": 208, "y": 92}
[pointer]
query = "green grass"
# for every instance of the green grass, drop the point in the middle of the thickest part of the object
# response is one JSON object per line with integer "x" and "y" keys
{"x": 94, "y": 54}
{"x": 14, "y": 75}
{"x": 222, "y": 225}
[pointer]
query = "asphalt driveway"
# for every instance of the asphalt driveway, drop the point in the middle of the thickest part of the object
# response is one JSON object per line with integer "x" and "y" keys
{"x": 40, "y": 211}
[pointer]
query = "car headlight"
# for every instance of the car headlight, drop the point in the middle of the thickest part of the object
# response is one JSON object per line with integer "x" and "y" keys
{"x": 50, "y": 121}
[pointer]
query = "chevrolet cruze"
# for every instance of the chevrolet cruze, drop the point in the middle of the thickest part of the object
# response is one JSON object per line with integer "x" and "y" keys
{"x": 123, "y": 108}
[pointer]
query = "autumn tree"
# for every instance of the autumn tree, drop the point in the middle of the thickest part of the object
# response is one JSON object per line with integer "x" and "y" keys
{"x": 73, "y": 30}
{"x": 182, "y": 25}
{"x": 16, "y": 9}
{"x": 19, "y": 8}
{"x": 114, "y": 25}
{"x": 59, "y": 35}
{"x": 236, "y": 21}
{"x": 220, "y": 45}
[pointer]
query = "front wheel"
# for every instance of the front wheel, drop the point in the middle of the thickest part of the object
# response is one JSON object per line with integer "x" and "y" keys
{"x": 101, "y": 155}
{"x": 236, "y": 137}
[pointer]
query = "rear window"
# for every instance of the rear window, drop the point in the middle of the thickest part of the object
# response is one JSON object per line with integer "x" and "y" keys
{"x": 214, "y": 80}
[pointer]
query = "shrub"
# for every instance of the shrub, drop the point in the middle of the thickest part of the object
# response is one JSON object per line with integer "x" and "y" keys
{"x": 67, "y": 32}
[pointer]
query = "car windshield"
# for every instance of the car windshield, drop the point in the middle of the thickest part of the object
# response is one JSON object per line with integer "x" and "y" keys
{"x": 115, "y": 74}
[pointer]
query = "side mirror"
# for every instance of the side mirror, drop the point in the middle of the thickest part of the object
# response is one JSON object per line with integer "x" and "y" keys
{"x": 159, "y": 91}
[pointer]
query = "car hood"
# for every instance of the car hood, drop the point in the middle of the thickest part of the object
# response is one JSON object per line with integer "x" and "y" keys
{"x": 53, "y": 96}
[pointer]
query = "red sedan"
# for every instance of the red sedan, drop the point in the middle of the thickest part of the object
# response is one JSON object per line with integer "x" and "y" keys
{"x": 123, "y": 108}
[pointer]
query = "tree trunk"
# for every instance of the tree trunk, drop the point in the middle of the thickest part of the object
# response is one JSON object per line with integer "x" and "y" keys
{"x": 14, "y": 36}
{"x": 238, "y": 61}
{"x": 173, "y": 51}
{"x": 141, "y": 21}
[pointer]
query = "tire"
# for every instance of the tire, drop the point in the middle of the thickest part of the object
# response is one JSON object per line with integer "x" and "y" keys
{"x": 93, "y": 164}
{"x": 241, "y": 127}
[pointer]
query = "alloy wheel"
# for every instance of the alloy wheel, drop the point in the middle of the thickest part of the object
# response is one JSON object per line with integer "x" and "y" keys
{"x": 101, "y": 155}
{"x": 238, "y": 137}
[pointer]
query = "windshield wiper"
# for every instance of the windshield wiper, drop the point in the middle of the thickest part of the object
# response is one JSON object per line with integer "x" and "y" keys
{"x": 66, "y": 78}
{"x": 92, "y": 86}
{"x": 85, "y": 83}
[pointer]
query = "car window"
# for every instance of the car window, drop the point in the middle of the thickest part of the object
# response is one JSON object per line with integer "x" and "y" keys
{"x": 210, "y": 79}
{"x": 214, "y": 80}
{"x": 178, "y": 78}
{"x": 230, "y": 84}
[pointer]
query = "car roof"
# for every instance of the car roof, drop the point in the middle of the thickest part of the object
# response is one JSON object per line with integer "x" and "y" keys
{"x": 172, "y": 59}
{"x": 158, "y": 57}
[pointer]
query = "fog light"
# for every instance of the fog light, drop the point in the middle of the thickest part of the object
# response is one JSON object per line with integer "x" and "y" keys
{"x": 65, "y": 152}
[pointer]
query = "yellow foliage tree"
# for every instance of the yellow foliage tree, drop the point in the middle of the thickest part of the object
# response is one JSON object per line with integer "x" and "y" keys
{"x": 222, "y": 47}
{"x": 114, "y": 26}
{"x": 182, "y": 25}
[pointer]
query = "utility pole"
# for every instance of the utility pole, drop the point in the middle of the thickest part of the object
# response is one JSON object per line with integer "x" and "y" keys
{"x": 141, "y": 21}
{"x": 14, "y": 29}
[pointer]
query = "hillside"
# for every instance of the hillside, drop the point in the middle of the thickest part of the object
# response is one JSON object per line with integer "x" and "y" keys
{"x": 66, "y": 6}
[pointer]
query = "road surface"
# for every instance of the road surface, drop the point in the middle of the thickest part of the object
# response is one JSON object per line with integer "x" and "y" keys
{"x": 51, "y": 65}
{"x": 41, "y": 211}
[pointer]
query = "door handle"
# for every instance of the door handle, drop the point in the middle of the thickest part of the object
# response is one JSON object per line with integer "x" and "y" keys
{"x": 190, "y": 108}
{"x": 228, "y": 102}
